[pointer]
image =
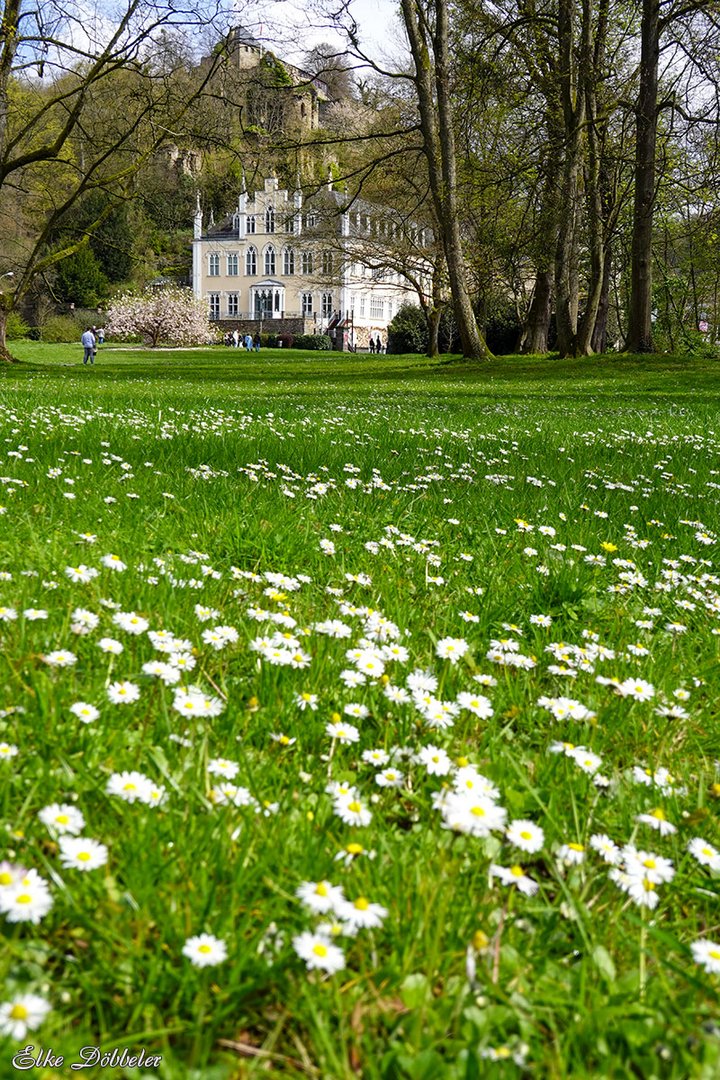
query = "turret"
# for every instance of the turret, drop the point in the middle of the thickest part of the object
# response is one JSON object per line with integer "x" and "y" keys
{"x": 198, "y": 219}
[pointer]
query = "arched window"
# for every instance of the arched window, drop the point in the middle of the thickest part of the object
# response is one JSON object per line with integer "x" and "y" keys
{"x": 251, "y": 223}
{"x": 326, "y": 307}
{"x": 307, "y": 303}
{"x": 269, "y": 220}
{"x": 269, "y": 260}
{"x": 251, "y": 261}
{"x": 307, "y": 262}
{"x": 288, "y": 261}
{"x": 327, "y": 262}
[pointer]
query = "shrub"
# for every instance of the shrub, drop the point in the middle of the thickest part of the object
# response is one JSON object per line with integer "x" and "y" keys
{"x": 315, "y": 342}
{"x": 59, "y": 328}
{"x": 16, "y": 327}
{"x": 286, "y": 341}
{"x": 408, "y": 332}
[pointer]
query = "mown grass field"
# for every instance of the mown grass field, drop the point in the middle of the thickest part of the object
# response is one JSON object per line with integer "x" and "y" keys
{"x": 397, "y": 678}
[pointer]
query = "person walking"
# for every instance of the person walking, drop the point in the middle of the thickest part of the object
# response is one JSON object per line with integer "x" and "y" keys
{"x": 372, "y": 344}
{"x": 88, "y": 344}
{"x": 236, "y": 338}
{"x": 378, "y": 345}
{"x": 256, "y": 342}
{"x": 101, "y": 336}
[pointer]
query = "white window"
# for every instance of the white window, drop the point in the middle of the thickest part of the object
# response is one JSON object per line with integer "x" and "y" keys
{"x": 377, "y": 308}
{"x": 307, "y": 262}
{"x": 251, "y": 261}
{"x": 362, "y": 307}
{"x": 214, "y": 302}
{"x": 326, "y": 305}
{"x": 307, "y": 303}
{"x": 269, "y": 260}
{"x": 311, "y": 220}
{"x": 251, "y": 223}
{"x": 290, "y": 224}
{"x": 288, "y": 261}
{"x": 233, "y": 304}
{"x": 327, "y": 262}
{"x": 214, "y": 264}
{"x": 269, "y": 220}
{"x": 233, "y": 268}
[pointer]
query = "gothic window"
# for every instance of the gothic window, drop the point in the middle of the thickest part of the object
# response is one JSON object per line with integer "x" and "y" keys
{"x": 214, "y": 265}
{"x": 327, "y": 262}
{"x": 214, "y": 302}
{"x": 269, "y": 220}
{"x": 326, "y": 305}
{"x": 233, "y": 304}
{"x": 232, "y": 266}
{"x": 307, "y": 303}
{"x": 251, "y": 223}
{"x": 307, "y": 262}
{"x": 251, "y": 261}
{"x": 288, "y": 261}
{"x": 269, "y": 260}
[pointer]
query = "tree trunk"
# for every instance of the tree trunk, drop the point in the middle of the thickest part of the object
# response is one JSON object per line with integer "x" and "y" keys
{"x": 430, "y": 52}
{"x": 534, "y": 337}
{"x": 5, "y": 357}
{"x": 599, "y": 334}
{"x": 640, "y": 328}
{"x": 433, "y": 322}
{"x": 566, "y": 254}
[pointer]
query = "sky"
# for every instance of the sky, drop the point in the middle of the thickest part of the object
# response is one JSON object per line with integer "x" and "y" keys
{"x": 298, "y": 26}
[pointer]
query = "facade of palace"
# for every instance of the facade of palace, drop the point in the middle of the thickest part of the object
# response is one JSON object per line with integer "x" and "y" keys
{"x": 282, "y": 262}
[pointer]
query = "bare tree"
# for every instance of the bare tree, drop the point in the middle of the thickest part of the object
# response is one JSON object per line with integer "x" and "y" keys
{"x": 85, "y": 99}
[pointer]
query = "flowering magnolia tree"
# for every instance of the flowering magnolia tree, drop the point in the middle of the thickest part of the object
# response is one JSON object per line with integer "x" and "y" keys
{"x": 166, "y": 316}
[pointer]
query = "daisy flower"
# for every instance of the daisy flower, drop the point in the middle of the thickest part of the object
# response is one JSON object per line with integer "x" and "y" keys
{"x": 80, "y": 853}
{"x": 361, "y": 914}
{"x": 204, "y": 950}
{"x": 62, "y": 818}
{"x": 321, "y": 896}
{"x": 83, "y": 711}
{"x": 123, "y": 693}
{"x": 707, "y": 954}
{"x": 319, "y": 953}
{"x": 23, "y": 1013}
{"x": 525, "y": 835}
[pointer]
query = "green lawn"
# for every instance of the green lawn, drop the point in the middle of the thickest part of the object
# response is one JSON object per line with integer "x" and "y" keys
{"x": 429, "y": 745}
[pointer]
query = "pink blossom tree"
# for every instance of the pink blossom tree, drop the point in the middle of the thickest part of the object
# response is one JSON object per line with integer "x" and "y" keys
{"x": 161, "y": 316}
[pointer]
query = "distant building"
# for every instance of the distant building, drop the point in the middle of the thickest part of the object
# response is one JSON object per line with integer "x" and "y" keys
{"x": 286, "y": 263}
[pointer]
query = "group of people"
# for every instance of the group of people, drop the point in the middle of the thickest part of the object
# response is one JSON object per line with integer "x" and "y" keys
{"x": 91, "y": 338}
{"x": 376, "y": 346}
{"x": 235, "y": 339}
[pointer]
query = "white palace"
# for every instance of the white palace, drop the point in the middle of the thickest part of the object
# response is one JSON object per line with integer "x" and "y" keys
{"x": 285, "y": 263}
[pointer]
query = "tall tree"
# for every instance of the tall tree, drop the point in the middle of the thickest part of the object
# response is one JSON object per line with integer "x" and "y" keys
{"x": 427, "y": 27}
{"x": 83, "y": 103}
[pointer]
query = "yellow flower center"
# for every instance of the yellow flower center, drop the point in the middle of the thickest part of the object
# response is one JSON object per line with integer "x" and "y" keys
{"x": 576, "y": 847}
{"x": 5, "y": 878}
{"x": 84, "y": 856}
{"x": 19, "y": 1012}
{"x": 714, "y": 953}
{"x": 517, "y": 871}
{"x": 650, "y": 863}
{"x": 362, "y": 904}
{"x": 322, "y": 889}
{"x": 320, "y": 950}
{"x": 478, "y": 811}
{"x": 354, "y": 849}
{"x": 62, "y": 819}
{"x": 354, "y": 807}
{"x": 23, "y": 898}
{"x": 659, "y": 814}
{"x": 204, "y": 949}
{"x": 525, "y": 835}
{"x": 648, "y": 886}
{"x": 129, "y": 787}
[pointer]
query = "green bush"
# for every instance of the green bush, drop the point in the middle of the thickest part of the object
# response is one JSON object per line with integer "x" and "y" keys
{"x": 408, "y": 331}
{"x": 316, "y": 342}
{"x": 60, "y": 328}
{"x": 16, "y": 327}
